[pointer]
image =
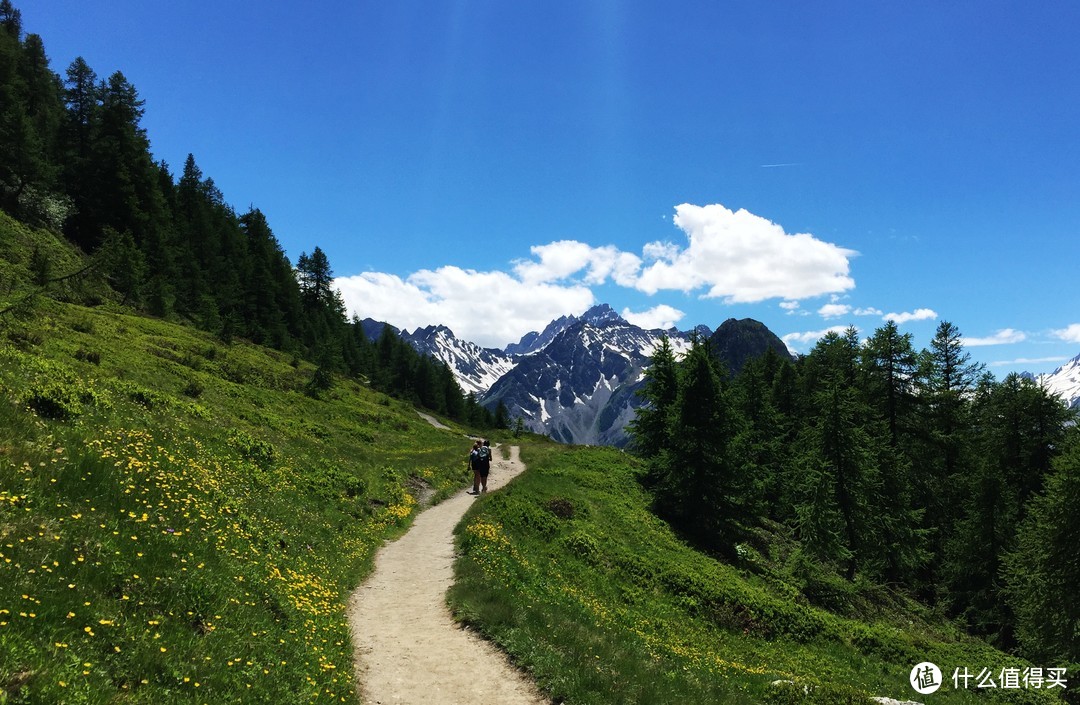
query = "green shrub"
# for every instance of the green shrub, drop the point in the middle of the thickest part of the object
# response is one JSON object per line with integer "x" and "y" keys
{"x": 83, "y": 325}
{"x": 257, "y": 451}
{"x": 146, "y": 398}
{"x": 53, "y": 400}
{"x": 820, "y": 585}
{"x": 579, "y": 543}
{"x": 25, "y": 339}
{"x": 91, "y": 356}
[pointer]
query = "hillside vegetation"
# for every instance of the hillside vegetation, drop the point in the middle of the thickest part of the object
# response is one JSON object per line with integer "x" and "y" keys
{"x": 586, "y": 588}
{"x": 180, "y": 519}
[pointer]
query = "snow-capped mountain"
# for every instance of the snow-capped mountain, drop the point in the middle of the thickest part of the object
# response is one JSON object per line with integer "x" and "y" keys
{"x": 534, "y": 342}
{"x": 580, "y": 387}
{"x": 475, "y": 368}
{"x": 1064, "y": 382}
{"x": 577, "y": 380}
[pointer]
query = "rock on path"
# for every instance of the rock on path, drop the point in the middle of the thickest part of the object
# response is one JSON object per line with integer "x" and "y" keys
{"x": 408, "y": 648}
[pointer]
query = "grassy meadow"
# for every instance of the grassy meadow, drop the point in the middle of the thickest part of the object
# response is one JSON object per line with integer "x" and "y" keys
{"x": 570, "y": 572}
{"x": 180, "y": 520}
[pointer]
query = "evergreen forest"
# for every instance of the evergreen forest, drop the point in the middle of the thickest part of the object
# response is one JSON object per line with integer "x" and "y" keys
{"x": 75, "y": 159}
{"x": 910, "y": 468}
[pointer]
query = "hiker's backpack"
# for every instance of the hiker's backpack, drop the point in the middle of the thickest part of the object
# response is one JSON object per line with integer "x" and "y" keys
{"x": 484, "y": 454}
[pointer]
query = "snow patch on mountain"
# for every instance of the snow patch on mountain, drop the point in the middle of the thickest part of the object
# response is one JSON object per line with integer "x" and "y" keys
{"x": 1064, "y": 382}
{"x": 475, "y": 368}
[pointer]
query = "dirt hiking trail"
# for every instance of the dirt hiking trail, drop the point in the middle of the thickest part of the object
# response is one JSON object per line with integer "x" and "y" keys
{"x": 408, "y": 648}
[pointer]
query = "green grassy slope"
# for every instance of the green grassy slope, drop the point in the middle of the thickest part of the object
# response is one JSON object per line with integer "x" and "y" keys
{"x": 179, "y": 521}
{"x": 570, "y": 572}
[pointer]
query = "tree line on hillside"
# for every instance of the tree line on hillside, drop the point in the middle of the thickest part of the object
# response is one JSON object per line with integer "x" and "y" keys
{"x": 75, "y": 159}
{"x": 912, "y": 468}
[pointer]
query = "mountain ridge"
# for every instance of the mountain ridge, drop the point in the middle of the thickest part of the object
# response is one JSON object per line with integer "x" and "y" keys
{"x": 577, "y": 379}
{"x": 1064, "y": 382}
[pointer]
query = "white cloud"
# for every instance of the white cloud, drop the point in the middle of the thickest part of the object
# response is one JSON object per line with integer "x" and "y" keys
{"x": 563, "y": 259}
{"x": 488, "y": 308}
{"x": 834, "y": 310}
{"x": 922, "y": 314}
{"x": 1028, "y": 361}
{"x": 662, "y": 316}
{"x": 807, "y": 338}
{"x": 868, "y": 311}
{"x": 1002, "y": 337}
{"x": 1071, "y": 334}
{"x": 744, "y": 258}
{"x": 663, "y": 251}
{"x": 793, "y": 308}
{"x": 737, "y": 256}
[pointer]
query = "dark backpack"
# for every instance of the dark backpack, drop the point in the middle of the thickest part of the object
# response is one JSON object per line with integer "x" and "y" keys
{"x": 484, "y": 454}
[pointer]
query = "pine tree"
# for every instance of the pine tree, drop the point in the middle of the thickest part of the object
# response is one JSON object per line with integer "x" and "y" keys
{"x": 502, "y": 416}
{"x": 316, "y": 279}
{"x": 455, "y": 397}
{"x": 1042, "y": 574}
{"x": 946, "y": 381}
{"x": 760, "y": 432}
{"x": 889, "y": 364}
{"x": 17, "y": 140}
{"x": 701, "y": 494}
{"x": 840, "y": 455}
{"x": 1020, "y": 429}
{"x": 45, "y": 111}
{"x": 125, "y": 266}
{"x": 651, "y": 428}
{"x": 81, "y": 96}
{"x": 10, "y": 20}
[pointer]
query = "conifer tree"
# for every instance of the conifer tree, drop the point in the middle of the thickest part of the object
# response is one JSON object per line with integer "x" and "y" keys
{"x": 760, "y": 432}
{"x": 889, "y": 364}
{"x": 650, "y": 429}
{"x": 1042, "y": 573}
{"x": 81, "y": 96}
{"x": 10, "y": 20}
{"x": 125, "y": 266}
{"x": 17, "y": 139}
{"x": 701, "y": 493}
{"x": 946, "y": 383}
{"x": 840, "y": 455}
{"x": 502, "y": 416}
{"x": 45, "y": 111}
{"x": 455, "y": 397}
{"x": 316, "y": 279}
{"x": 1020, "y": 429}
{"x": 125, "y": 192}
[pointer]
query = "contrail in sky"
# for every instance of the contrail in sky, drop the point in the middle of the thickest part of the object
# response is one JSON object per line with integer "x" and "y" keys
{"x": 773, "y": 166}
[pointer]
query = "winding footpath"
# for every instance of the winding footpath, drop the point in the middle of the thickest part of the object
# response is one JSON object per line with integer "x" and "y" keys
{"x": 408, "y": 648}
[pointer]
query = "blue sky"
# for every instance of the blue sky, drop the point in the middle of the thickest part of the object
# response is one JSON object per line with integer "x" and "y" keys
{"x": 493, "y": 165}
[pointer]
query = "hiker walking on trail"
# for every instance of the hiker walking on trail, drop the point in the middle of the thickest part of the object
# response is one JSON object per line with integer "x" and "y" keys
{"x": 474, "y": 464}
{"x": 485, "y": 464}
{"x": 480, "y": 462}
